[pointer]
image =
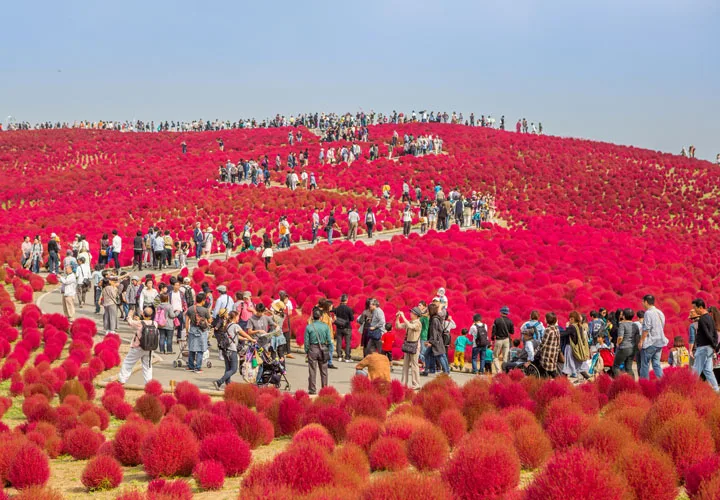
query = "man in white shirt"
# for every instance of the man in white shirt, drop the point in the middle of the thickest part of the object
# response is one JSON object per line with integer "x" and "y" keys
{"x": 353, "y": 220}
{"x": 117, "y": 248}
{"x": 82, "y": 275}
{"x": 315, "y": 224}
{"x": 68, "y": 290}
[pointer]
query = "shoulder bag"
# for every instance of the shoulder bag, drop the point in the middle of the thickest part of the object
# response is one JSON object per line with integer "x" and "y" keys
{"x": 324, "y": 349}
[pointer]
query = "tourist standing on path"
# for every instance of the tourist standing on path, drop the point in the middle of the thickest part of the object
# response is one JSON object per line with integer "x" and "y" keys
{"x": 370, "y": 222}
{"x": 267, "y": 253}
{"x": 376, "y": 327}
{"x": 317, "y": 347}
{"x": 330, "y": 226}
{"x": 549, "y": 350}
{"x": 652, "y": 339}
{"x": 25, "y": 252}
{"x": 142, "y": 327}
{"x": 138, "y": 250}
{"x": 198, "y": 321}
{"x": 198, "y": 239}
{"x": 411, "y": 347}
{"x": 53, "y": 254}
{"x": 83, "y": 274}
{"x": 344, "y": 318}
{"x": 479, "y": 332}
{"x": 407, "y": 220}
{"x": 627, "y": 341}
{"x": 706, "y": 341}
{"x": 68, "y": 289}
{"x": 131, "y": 296}
{"x": 166, "y": 323}
{"x": 110, "y": 301}
{"x": 577, "y": 350}
{"x": 224, "y": 301}
{"x": 36, "y": 255}
{"x": 282, "y": 309}
{"x": 315, "y": 225}
{"x": 207, "y": 242}
{"x": 235, "y": 334}
{"x": 148, "y": 295}
{"x": 353, "y": 220}
{"x": 435, "y": 341}
{"x": 502, "y": 330}
{"x": 116, "y": 248}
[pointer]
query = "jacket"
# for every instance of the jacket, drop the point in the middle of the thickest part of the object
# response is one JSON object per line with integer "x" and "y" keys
{"x": 435, "y": 335}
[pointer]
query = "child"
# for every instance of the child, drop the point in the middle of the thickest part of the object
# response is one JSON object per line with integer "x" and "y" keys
{"x": 521, "y": 356}
{"x": 679, "y": 354}
{"x": 515, "y": 351}
{"x": 388, "y": 339}
{"x": 423, "y": 224}
{"x": 487, "y": 362}
{"x": 463, "y": 341}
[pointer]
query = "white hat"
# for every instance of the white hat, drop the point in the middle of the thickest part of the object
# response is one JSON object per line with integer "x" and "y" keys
{"x": 134, "y": 278}
{"x": 53, "y": 235}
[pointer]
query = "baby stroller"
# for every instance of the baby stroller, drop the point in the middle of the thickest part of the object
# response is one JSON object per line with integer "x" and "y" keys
{"x": 183, "y": 352}
{"x": 272, "y": 370}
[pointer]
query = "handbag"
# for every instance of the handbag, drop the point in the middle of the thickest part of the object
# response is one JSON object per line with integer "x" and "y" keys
{"x": 409, "y": 347}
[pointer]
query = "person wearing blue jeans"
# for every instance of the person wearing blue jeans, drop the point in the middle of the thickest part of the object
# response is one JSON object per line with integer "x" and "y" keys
{"x": 442, "y": 360}
{"x": 429, "y": 360}
{"x": 706, "y": 339}
{"x": 652, "y": 340}
{"x": 478, "y": 352}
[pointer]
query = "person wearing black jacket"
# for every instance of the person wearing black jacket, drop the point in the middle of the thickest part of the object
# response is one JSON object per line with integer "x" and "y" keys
{"x": 706, "y": 342}
{"x": 502, "y": 330}
{"x": 53, "y": 255}
{"x": 344, "y": 318}
{"x": 138, "y": 247}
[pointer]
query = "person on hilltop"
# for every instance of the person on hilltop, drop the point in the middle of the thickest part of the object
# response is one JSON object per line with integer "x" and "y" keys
{"x": 653, "y": 338}
{"x": 502, "y": 330}
{"x": 317, "y": 347}
{"x": 706, "y": 342}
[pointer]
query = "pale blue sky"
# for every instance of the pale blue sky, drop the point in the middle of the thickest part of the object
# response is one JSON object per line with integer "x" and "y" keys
{"x": 642, "y": 72}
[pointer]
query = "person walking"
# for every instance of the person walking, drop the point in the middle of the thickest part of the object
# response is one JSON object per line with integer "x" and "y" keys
{"x": 344, "y": 318}
{"x": 370, "y": 222}
{"x": 315, "y": 225}
{"x": 479, "y": 332}
{"x": 502, "y": 330}
{"x": 165, "y": 319}
{"x": 353, "y": 219}
{"x": 83, "y": 274}
{"x": 330, "y": 226}
{"x": 197, "y": 325}
{"x": 138, "y": 249}
{"x": 53, "y": 254}
{"x": 706, "y": 341}
{"x": 143, "y": 327}
{"x": 317, "y": 346}
{"x": 116, "y": 248}
{"x": 110, "y": 301}
{"x": 235, "y": 334}
{"x": 267, "y": 253}
{"x": 653, "y": 339}
{"x": 411, "y": 347}
{"x": 407, "y": 220}
{"x": 68, "y": 288}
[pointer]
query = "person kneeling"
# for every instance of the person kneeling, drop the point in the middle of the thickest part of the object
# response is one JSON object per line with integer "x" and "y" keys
{"x": 378, "y": 366}
{"x": 145, "y": 340}
{"x": 522, "y": 357}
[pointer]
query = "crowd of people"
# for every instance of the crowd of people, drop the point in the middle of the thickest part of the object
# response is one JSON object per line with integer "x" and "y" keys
{"x": 333, "y": 125}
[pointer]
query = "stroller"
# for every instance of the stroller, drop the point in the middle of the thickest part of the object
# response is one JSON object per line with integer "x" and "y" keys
{"x": 602, "y": 361}
{"x": 183, "y": 352}
{"x": 262, "y": 365}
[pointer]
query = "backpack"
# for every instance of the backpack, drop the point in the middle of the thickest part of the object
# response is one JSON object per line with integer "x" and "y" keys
{"x": 149, "y": 337}
{"x": 160, "y": 317}
{"x": 481, "y": 336}
{"x": 224, "y": 237}
{"x": 532, "y": 329}
{"x": 199, "y": 321}
{"x": 188, "y": 296}
{"x": 220, "y": 334}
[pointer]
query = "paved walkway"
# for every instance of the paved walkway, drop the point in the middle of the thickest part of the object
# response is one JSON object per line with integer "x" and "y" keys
{"x": 164, "y": 371}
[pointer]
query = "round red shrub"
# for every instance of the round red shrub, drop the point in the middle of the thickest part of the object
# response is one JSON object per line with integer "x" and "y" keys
{"x": 640, "y": 462}
{"x": 209, "y": 474}
{"x": 37, "y": 407}
{"x": 315, "y": 434}
{"x": 150, "y": 408}
{"x": 576, "y": 474}
{"x": 128, "y": 442}
{"x": 253, "y": 427}
{"x": 290, "y": 414}
{"x": 427, "y": 448}
{"x": 153, "y": 387}
{"x": 609, "y": 444}
{"x": 161, "y": 489}
{"x": 102, "y": 473}
{"x": 228, "y": 449}
{"x": 482, "y": 468}
{"x": 701, "y": 471}
{"x": 29, "y": 467}
{"x": 302, "y": 467}
{"x": 666, "y": 406}
{"x": 388, "y": 453}
{"x": 38, "y": 493}
{"x": 363, "y": 431}
{"x": 405, "y": 484}
{"x": 533, "y": 446}
{"x": 687, "y": 440}
{"x": 335, "y": 420}
{"x": 169, "y": 450}
{"x": 453, "y": 424}
{"x": 353, "y": 457}
{"x": 566, "y": 430}
{"x": 81, "y": 442}
{"x": 241, "y": 393}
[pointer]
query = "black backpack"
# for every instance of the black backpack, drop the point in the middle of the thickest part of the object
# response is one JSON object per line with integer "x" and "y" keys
{"x": 189, "y": 296}
{"x": 481, "y": 336}
{"x": 220, "y": 334}
{"x": 149, "y": 337}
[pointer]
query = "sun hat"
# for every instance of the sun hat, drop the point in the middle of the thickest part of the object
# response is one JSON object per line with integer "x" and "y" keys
{"x": 504, "y": 310}
{"x": 247, "y": 294}
{"x": 134, "y": 278}
{"x": 186, "y": 280}
{"x": 416, "y": 311}
{"x": 222, "y": 289}
{"x": 441, "y": 291}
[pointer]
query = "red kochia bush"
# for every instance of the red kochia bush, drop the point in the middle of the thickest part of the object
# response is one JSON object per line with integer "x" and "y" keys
{"x": 81, "y": 442}
{"x": 253, "y": 427}
{"x": 453, "y": 424}
{"x": 241, "y": 393}
{"x": 169, "y": 450}
{"x": 388, "y": 453}
{"x": 687, "y": 440}
{"x": 488, "y": 467}
{"x": 289, "y": 416}
{"x": 700, "y": 472}
{"x": 149, "y": 407}
{"x": 29, "y": 467}
{"x": 153, "y": 387}
{"x": 427, "y": 448}
{"x": 335, "y": 420}
{"x": 302, "y": 467}
{"x": 210, "y": 475}
{"x": 128, "y": 442}
{"x": 102, "y": 473}
{"x": 228, "y": 449}
{"x": 404, "y": 485}
{"x": 38, "y": 493}
{"x": 175, "y": 490}
{"x": 576, "y": 474}
{"x": 317, "y": 435}
{"x": 642, "y": 462}
{"x": 532, "y": 446}
{"x": 363, "y": 431}
{"x": 566, "y": 430}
